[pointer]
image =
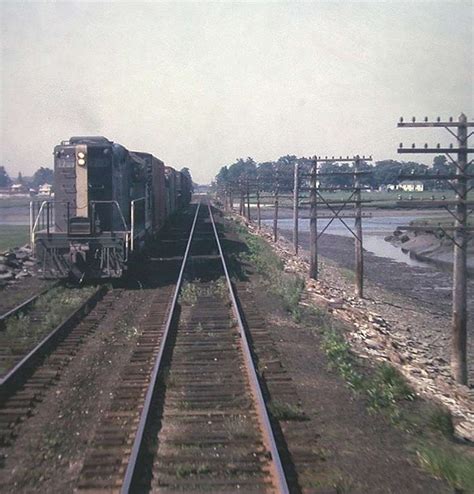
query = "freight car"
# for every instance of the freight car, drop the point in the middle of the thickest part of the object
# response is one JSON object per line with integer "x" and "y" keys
{"x": 108, "y": 202}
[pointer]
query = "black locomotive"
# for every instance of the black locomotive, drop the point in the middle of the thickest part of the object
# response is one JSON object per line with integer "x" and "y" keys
{"x": 108, "y": 202}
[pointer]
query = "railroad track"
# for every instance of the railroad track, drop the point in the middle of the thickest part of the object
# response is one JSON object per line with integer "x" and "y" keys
{"x": 190, "y": 415}
{"x": 24, "y": 306}
{"x": 28, "y": 374}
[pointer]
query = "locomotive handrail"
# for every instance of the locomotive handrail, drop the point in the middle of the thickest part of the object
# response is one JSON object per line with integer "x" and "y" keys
{"x": 122, "y": 217}
{"x": 34, "y": 222}
{"x": 132, "y": 222}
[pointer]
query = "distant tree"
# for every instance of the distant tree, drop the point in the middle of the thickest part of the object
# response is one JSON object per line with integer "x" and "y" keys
{"x": 20, "y": 178}
{"x": 5, "y": 180}
{"x": 43, "y": 176}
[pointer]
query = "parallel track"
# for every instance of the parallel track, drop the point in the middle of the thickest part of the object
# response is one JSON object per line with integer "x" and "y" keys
{"x": 190, "y": 415}
{"x": 23, "y": 306}
{"x": 24, "y": 384}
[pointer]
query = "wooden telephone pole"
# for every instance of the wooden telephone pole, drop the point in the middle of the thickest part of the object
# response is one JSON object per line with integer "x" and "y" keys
{"x": 459, "y": 237}
{"x": 313, "y": 222}
{"x": 295, "y": 207}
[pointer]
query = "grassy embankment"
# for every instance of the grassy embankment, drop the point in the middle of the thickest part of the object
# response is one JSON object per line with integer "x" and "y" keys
{"x": 13, "y": 236}
{"x": 383, "y": 388}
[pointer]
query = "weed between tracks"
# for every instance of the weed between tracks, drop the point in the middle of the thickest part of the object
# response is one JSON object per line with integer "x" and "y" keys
{"x": 22, "y": 332}
{"x": 286, "y": 411}
{"x": 191, "y": 291}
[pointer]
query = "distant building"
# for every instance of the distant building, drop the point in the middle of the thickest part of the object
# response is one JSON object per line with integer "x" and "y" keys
{"x": 411, "y": 186}
{"x": 388, "y": 187}
{"x": 17, "y": 189}
{"x": 45, "y": 190}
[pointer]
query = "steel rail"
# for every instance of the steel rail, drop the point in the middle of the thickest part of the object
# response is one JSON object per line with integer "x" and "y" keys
{"x": 278, "y": 472}
{"x": 24, "y": 304}
{"x": 16, "y": 376}
{"x": 137, "y": 443}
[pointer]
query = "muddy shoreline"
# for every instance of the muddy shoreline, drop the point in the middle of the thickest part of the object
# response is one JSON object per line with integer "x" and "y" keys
{"x": 429, "y": 285}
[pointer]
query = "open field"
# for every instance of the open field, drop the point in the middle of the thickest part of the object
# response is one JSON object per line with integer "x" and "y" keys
{"x": 12, "y": 202}
{"x": 13, "y": 236}
{"x": 375, "y": 199}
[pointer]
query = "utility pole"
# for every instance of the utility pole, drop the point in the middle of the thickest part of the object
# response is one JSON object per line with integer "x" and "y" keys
{"x": 359, "y": 257}
{"x": 295, "y": 207}
{"x": 248, "y": 199}
{"x": 242, "y": 202}
{"x": 275, "y": 212}
{"x": 458, "y": 182}
{"x": 259, "y": 218}
{"x": 337, "y": 206}
{"x": 313, "y": 223}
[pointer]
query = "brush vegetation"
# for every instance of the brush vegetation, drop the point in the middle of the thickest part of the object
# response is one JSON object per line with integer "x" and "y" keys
{"x": 289, "y": 287}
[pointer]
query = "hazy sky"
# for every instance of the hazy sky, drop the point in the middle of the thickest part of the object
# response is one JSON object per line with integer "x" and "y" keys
{"x": 202, "y": 84}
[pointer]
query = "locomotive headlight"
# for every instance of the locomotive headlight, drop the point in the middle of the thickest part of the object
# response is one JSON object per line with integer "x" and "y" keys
{"x": 81, "y": 155}
{"x": 81, "y": 161}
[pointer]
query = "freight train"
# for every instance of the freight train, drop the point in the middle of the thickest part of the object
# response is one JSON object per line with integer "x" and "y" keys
{"x": 108, "y": 203}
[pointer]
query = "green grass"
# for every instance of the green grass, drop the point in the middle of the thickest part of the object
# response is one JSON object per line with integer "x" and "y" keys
{"x": 287, "y": 286}
{"x": 13, "y": 236}
{"x": 384, "y": 389}
{"x": 450, "y": 465}
{"x": 286, "y": 411}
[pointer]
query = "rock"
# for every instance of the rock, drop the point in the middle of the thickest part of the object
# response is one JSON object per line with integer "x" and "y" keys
{"x": 23, "y": 274}
{"x": 22, "y": 256}
{"x": 29, "y": 264}
{"x": 3, "y": 268}
{"x": 12, "y": 263}
{"x": 404, "y": 238}
{"x": 395, "y": 357}
{"x": 7, "y": 276}
{"x": 465, "y": 430}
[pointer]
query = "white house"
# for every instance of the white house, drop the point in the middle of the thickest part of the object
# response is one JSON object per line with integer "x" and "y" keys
{"x": 411, "y": 186}
{"x": 45, "y": 190}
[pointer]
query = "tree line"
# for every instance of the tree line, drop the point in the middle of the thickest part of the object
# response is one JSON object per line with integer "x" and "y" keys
{"x": 41, "y": 176}
{"x": 384, "y": 173}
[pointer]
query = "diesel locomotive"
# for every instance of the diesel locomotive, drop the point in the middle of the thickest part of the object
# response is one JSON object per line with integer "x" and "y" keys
{"x": 108, "y": 202}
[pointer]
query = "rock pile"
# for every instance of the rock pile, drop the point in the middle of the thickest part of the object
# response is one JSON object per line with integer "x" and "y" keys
{"x": 16, "y": 264}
